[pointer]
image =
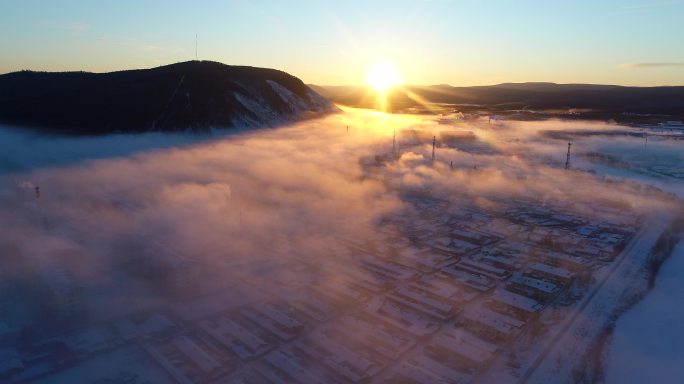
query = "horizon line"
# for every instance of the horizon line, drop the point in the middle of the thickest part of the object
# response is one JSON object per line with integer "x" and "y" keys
{"x": 358, "y": 84}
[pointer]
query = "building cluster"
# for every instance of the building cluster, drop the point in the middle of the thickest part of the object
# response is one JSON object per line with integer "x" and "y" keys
{"x": 432, "y": 299}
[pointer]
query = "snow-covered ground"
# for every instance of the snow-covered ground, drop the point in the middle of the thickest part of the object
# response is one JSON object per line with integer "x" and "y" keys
{"x": 23, "y": 150}
{"x": 218, "y": 224}
{"x": 647, "y": 340}
{"x": 129, "y": 365}
{"x": 568, "y": 345}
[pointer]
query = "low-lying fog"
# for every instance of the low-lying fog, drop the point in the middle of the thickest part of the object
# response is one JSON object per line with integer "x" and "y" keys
{"x": 235, "y": 206}
{"x": 221, "y": 200}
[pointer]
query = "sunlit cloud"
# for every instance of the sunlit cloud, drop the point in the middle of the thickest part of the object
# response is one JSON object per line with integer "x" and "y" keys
{"x": 652, "y": 65}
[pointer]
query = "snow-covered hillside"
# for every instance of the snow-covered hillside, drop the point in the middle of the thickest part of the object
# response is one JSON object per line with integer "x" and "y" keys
{"x": 195, "y": 95}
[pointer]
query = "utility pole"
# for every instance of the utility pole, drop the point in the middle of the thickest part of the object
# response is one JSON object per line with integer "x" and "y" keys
{"x": 394, "y": 144}
{"x": 434, "y": 140}
{"x": 567, "y": 158}
{"x": 36, "y": 191}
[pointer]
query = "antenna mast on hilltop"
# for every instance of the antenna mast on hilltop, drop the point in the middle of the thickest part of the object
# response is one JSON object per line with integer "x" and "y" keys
{"x": 195, "y": 46}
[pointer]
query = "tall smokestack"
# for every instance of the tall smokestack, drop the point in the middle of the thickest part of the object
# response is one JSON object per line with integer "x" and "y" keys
{"x": 567, "y": 158}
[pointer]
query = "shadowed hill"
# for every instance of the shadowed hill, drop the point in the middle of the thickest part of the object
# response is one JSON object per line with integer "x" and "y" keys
{"x": 195, "y": 95}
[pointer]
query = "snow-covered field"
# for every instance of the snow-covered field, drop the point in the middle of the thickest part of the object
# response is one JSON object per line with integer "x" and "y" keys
{"x": 23, "y": 150}
{"x": 648, "y": 340}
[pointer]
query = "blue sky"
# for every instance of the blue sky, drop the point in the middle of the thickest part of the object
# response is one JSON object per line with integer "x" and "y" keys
{"x": 458, "y": 42}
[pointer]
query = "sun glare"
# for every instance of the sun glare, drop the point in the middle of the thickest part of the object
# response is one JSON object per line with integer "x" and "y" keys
{"x": 383, "y": 75}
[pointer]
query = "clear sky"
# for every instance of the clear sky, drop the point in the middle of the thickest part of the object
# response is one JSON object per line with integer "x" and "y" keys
{"x": 457, "y": 42}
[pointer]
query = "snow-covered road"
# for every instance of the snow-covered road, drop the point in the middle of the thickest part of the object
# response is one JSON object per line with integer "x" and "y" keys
{"x": 593, "y": 316}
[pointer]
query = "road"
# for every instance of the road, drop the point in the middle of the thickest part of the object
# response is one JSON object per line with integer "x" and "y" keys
{"x": 592, "y": 315}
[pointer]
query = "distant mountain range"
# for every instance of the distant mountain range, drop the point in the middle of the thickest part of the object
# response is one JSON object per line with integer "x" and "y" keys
{"x": 596, "y": 101}
{"x": 195, "y": 95}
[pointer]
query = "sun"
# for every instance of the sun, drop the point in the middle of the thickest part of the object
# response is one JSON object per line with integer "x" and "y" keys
{"x": 383, "y": 75}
